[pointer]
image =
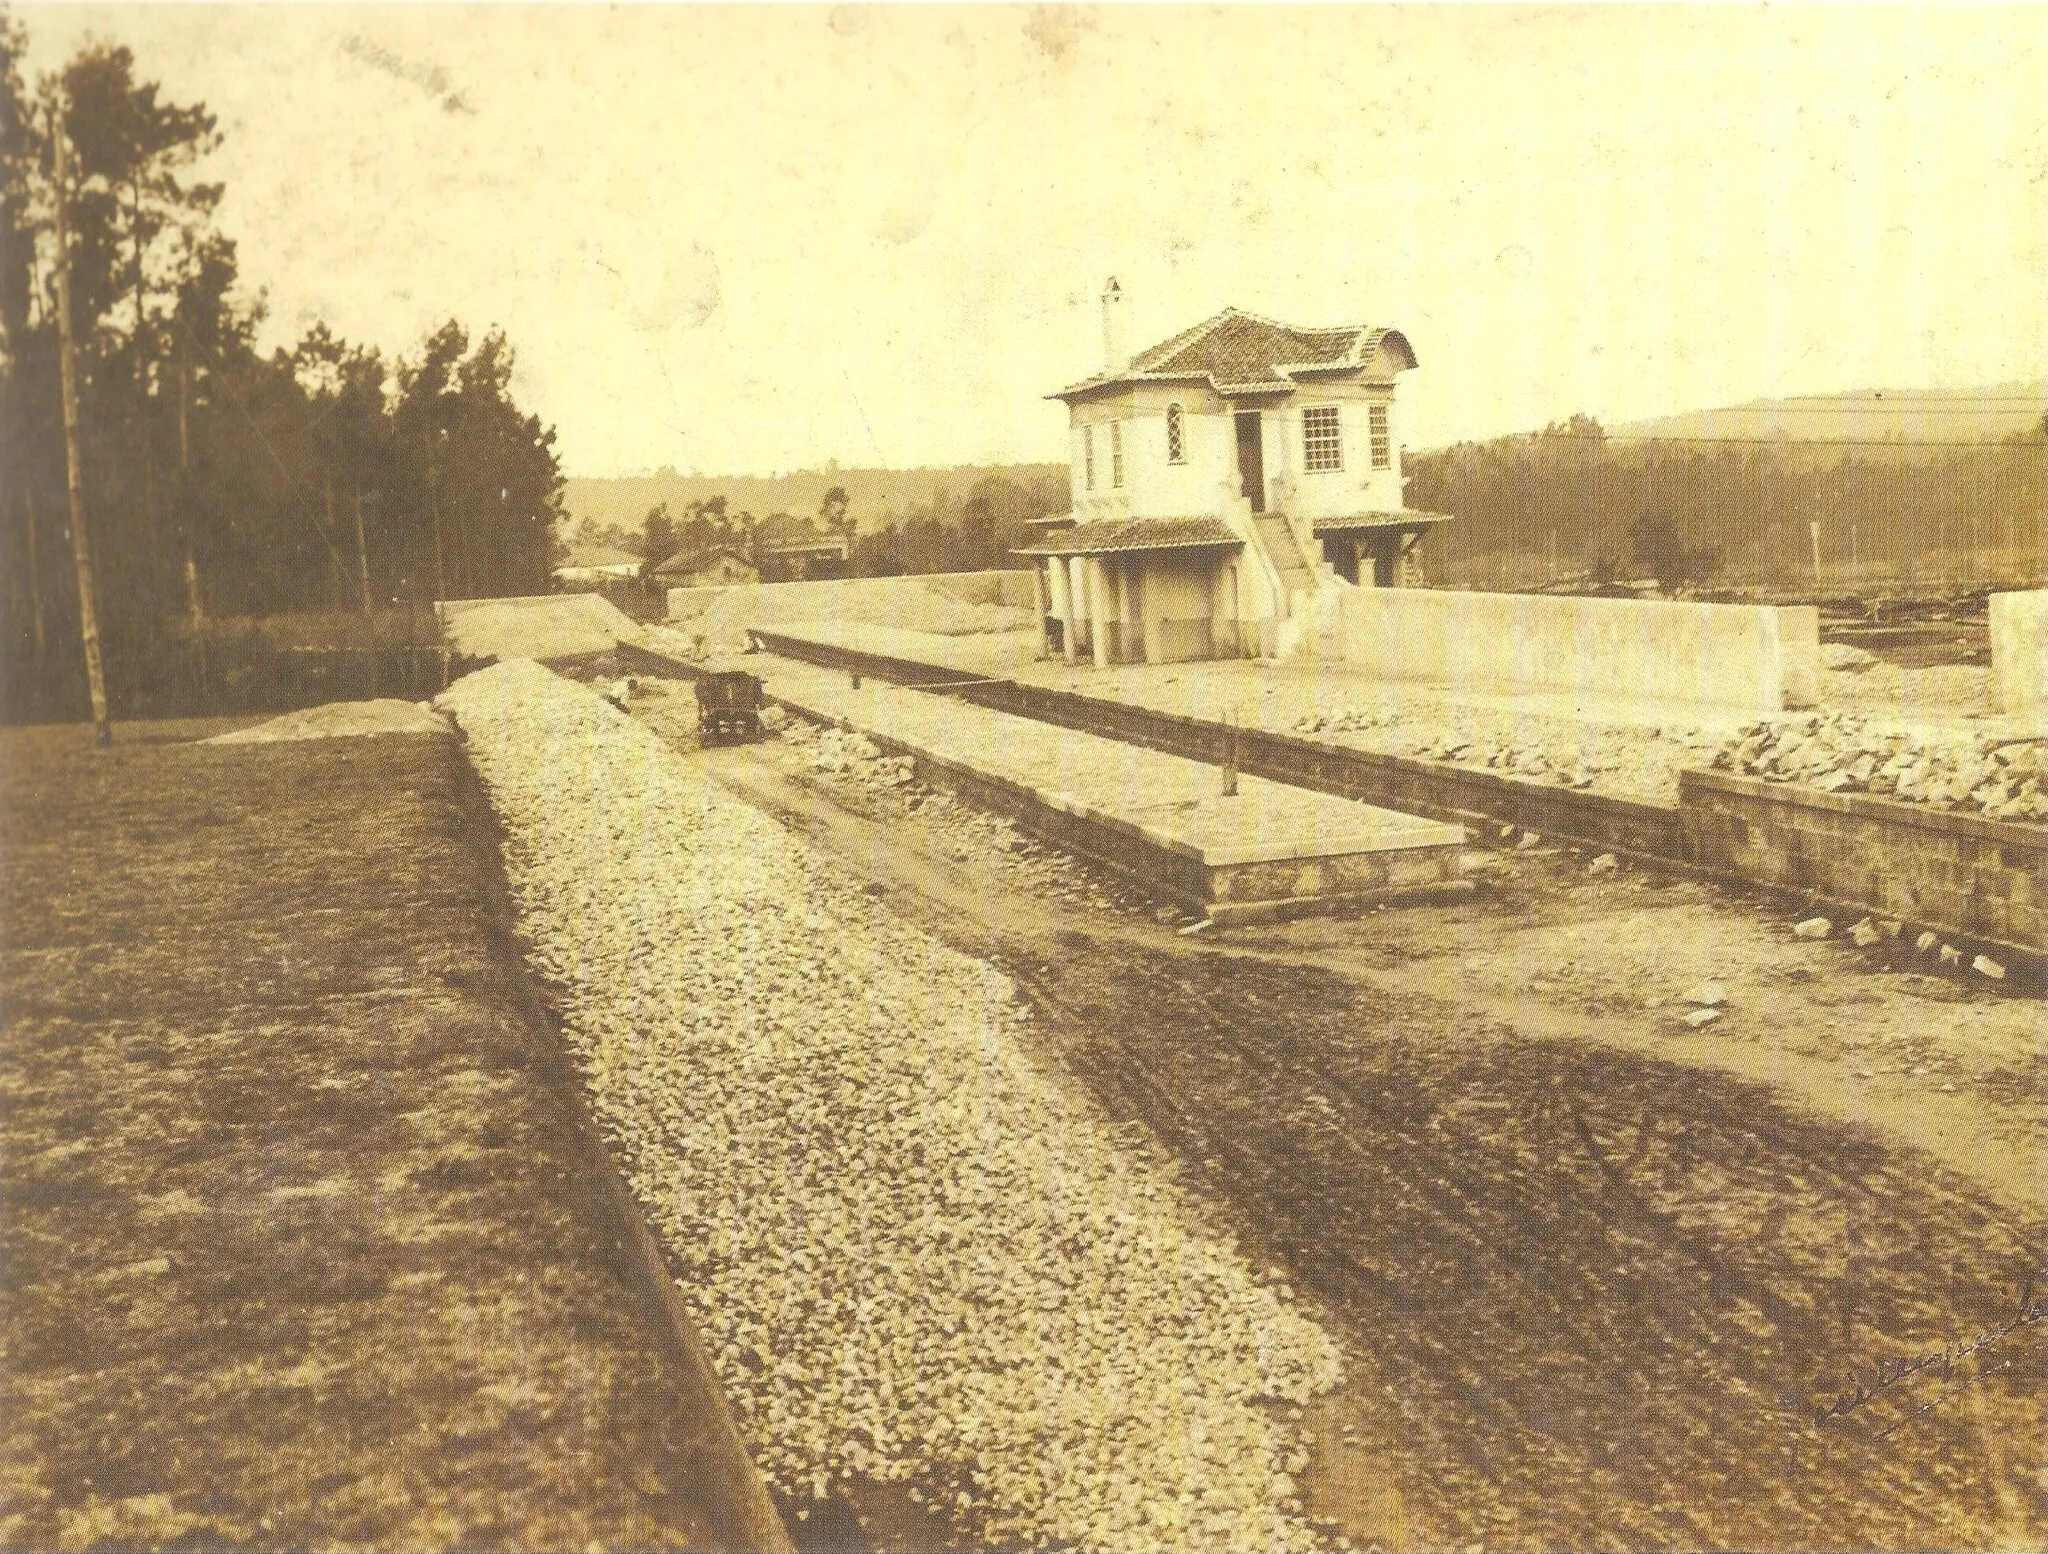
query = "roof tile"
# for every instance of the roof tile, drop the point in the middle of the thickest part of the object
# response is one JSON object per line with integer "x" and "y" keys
{"x": 1241, "y": 353}
{"x": 1098, "y": 538}
{"x": 1403, "y": 518}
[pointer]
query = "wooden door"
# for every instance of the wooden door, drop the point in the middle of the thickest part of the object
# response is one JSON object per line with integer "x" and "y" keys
{"x": 1251, "y": 459}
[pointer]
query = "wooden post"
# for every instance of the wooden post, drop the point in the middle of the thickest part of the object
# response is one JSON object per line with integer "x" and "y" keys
{"x": 35, "y": 570}
{"x": 434, "y": 507}
{"x": 1230, "y": 753}
{"x": 192, "y": 599}
{"x": 74, "y": 480}
{"x": 363, "y": 580}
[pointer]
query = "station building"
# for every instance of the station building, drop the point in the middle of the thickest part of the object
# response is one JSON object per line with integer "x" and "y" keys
{"x": 1220, "y": 479}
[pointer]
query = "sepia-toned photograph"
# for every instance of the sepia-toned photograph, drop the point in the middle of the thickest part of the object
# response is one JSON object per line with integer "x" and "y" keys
{"x": 920, "y": 778}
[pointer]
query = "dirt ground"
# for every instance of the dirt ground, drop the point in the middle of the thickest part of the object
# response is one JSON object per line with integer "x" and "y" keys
{"x": 303, "y": 1236}
{"x": 1600, "y": 1275}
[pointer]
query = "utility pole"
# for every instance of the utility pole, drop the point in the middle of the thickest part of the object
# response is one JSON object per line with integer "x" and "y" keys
{"x": 74, "y": 480}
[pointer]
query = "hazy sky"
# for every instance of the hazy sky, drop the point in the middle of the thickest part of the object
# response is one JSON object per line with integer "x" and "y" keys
{"x": 746, "y": 239}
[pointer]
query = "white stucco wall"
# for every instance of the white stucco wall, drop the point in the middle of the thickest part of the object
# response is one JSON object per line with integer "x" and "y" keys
{"x": 1357, "y": 487}
{"x": 727, "y": 611}
{"x": 1154, "y": 487}
{"x": 2019, "y": 654}
{"x": 1757, "y": 657}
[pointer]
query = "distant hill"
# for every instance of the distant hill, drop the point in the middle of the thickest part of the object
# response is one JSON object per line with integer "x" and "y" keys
{"x": 1864, "y": 416}
{"x": 874, "y": 496}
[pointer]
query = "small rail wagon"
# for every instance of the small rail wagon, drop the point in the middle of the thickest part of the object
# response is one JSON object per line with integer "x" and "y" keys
{"x": 728, "y": 706}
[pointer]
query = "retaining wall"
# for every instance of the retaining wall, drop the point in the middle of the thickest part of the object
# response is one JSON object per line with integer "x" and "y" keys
{"x": 1958, "y": 873}
{"x": 1761, "y": 657}
{"x": 2019, "y": 654}
{"x": 1415, "y": 787}
{"x": 1226, "y": 889}
{"x": 1985, "y": 879}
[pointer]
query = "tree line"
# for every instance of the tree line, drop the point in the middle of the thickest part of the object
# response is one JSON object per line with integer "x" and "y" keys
{"x": 978, "y": 531}
{"x": 218, "y": 480}
{"x": 1572, "y": 505}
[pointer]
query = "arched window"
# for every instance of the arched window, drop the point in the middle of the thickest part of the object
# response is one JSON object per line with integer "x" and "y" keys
{"x": 1176, "y": 437}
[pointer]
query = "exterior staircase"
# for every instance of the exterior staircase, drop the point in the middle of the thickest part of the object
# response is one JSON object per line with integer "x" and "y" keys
{"x": 1297, "y": 571}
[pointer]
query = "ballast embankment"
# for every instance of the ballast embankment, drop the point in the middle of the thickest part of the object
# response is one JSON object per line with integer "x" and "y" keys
{"x": 920, "y": 1256}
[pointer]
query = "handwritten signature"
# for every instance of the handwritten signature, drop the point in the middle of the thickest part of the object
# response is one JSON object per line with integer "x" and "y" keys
{"x": 1944, "y": 1363}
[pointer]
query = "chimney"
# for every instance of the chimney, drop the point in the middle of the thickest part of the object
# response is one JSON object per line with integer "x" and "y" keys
{"x": 1116, "y": 346}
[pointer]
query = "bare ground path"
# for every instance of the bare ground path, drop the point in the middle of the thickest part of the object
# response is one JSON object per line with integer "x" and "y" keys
{"x": 306, "y": 1239}
{"x": 1594, "y": 1269}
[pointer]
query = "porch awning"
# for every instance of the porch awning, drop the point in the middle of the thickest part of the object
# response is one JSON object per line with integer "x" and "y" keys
{"x": 1132, "y": 534}
{"x": 1353, "y": 523}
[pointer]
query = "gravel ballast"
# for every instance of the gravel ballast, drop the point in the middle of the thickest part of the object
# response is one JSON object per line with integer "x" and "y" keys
{"x": 920, "y": 1256}
{"x": 340, "y": 720}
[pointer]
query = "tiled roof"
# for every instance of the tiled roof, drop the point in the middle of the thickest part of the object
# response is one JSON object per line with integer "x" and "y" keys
{"x": 1099, "y": 538}
{"x": 1405, "y": 518}
{"x": 1241, "y": 353}
{"x": 787, "y": 529}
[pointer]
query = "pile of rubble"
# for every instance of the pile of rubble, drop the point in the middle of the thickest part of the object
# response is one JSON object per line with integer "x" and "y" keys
{"x": 1841, "y": 753}
{"x": 842, "y": 753}
{"x": 919, "y": 1257}
{"x": 1350, "y": 720}
{"x": 1572, "y": 767}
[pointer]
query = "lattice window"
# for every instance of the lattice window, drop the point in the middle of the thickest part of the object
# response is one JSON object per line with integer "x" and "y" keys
{"x": 1377, "y": 421}
{"x": 1176, "y": 437}
{"x": 1322, "y": 443}
{"x": 1088, "y": 456}
{"x": 1116, "y": 455}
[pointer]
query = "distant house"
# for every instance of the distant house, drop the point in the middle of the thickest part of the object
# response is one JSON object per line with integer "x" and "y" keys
{"x": 788, "y": 548}
{"x": 597, "y": 564}
{"x": 716, "y": 567}
{"x": 1219, "y": 480}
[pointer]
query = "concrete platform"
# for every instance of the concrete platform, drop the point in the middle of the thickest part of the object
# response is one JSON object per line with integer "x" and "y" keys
{"x": 1268, "y": 851}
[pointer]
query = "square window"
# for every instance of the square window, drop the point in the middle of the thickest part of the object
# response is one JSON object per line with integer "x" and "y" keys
{"x": 1322, "y": 445}
{"x": 1382, "y": 437}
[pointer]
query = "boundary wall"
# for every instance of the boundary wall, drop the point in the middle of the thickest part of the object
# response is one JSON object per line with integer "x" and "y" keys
{"x": 2019, "y": 654}
{"x": 883, "y": 600}
{"x": 1762, "y": 657}
{"x": 1986, "y": 879}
